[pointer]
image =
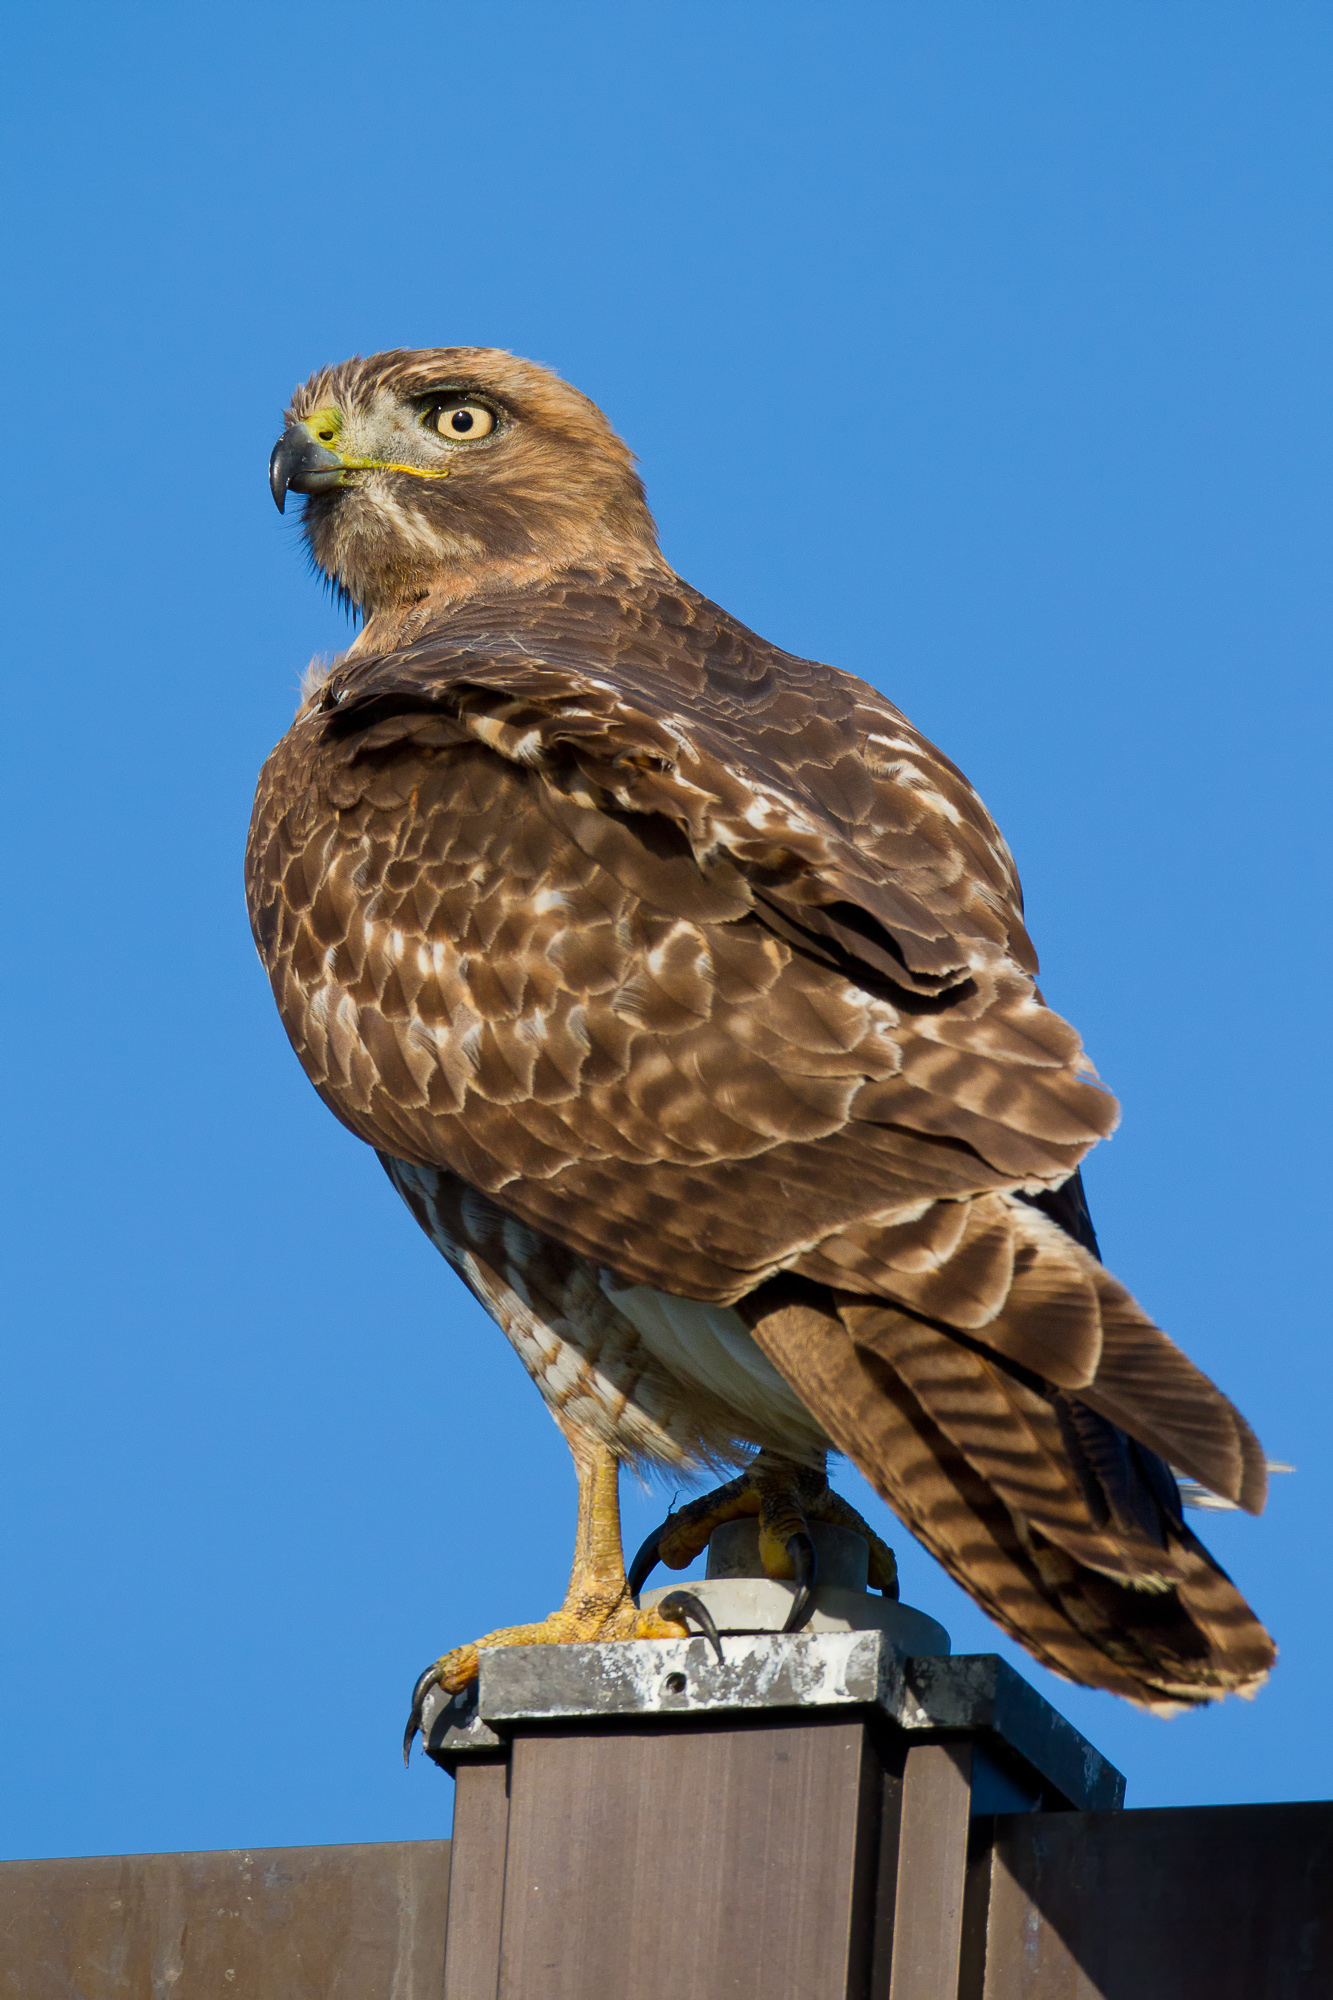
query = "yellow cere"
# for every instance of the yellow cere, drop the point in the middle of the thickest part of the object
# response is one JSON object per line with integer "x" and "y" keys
{"x": 325, "y": 425}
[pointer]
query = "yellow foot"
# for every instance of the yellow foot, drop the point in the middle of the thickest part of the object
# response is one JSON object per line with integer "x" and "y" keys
{"x": 585, "y": 1622}
{"x": 787, "y": 1497}
{"x": 598, "y": 1604}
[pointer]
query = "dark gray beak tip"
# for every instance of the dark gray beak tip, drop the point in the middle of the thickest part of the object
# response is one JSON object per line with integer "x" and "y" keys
{"x": 300, "y": 464}
{"x": 277, "y": 478}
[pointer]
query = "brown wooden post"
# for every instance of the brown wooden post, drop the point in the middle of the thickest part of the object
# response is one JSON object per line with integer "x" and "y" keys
{"x": 788, "y": 1824}
{"x": 709, "y": 1860}
{"x": 932, "y": 1864}
{"x": 477, "y": 1878}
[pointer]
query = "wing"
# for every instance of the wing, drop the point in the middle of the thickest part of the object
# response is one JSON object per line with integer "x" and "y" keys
{"x": 702, "y": 962}
{"x": 597, "y": 948}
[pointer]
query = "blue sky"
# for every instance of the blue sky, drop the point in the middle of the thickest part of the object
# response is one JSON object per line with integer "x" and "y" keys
{"x": 982, "y": 351}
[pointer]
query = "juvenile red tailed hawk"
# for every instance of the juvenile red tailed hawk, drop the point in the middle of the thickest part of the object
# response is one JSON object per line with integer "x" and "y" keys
{"x": 682, "y": 988}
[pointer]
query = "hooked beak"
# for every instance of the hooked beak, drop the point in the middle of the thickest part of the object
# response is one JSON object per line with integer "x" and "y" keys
{"x": 301, "y": 464}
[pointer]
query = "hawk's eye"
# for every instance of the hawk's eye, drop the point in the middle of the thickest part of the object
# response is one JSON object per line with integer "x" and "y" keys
{"x": 466, "y": 421}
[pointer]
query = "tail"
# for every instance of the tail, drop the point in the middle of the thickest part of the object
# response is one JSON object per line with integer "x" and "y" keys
{"x": 1046, "y": 1498}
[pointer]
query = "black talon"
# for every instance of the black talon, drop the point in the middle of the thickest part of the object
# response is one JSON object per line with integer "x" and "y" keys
{"x": 425, "y": 1683}
{"x": 646, "y": 1561}
{"x": 684, "y": 1604}
{"x": 805, "y": 1568}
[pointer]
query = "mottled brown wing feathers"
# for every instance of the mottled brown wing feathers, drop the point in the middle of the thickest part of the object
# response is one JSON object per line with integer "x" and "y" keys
{"x": 1022, "y": 1289}
{"x": 805, "y": 769}
{"x": 1149, "y": 1388}
{"x": 519, "y": 913}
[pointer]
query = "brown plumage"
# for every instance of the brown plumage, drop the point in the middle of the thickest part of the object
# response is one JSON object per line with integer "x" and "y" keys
{"x": 683, "y": 989}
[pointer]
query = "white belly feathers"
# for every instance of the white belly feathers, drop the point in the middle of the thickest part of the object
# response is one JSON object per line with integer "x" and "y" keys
{"x": 711, "y": 1345}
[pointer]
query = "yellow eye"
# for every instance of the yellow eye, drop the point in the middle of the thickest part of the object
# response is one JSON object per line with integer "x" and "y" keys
{"x": 462, "y": 422}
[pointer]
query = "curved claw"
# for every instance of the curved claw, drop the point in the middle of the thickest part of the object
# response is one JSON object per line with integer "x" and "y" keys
{"x": 425, "y": 1683}
{"x": 805, "y": 1569}
{"x": 646, "y": 1561}
{"x": 684, "y": 1604}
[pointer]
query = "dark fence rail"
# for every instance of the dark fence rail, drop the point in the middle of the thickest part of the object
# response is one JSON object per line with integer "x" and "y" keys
{"x": 1198, "y": 1903}
{"x": 276, "y": 1923}
{"x": 1208, "y": 1903}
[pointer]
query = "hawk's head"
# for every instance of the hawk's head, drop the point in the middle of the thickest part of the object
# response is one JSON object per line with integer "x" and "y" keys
{"x": 454, "y": 468}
